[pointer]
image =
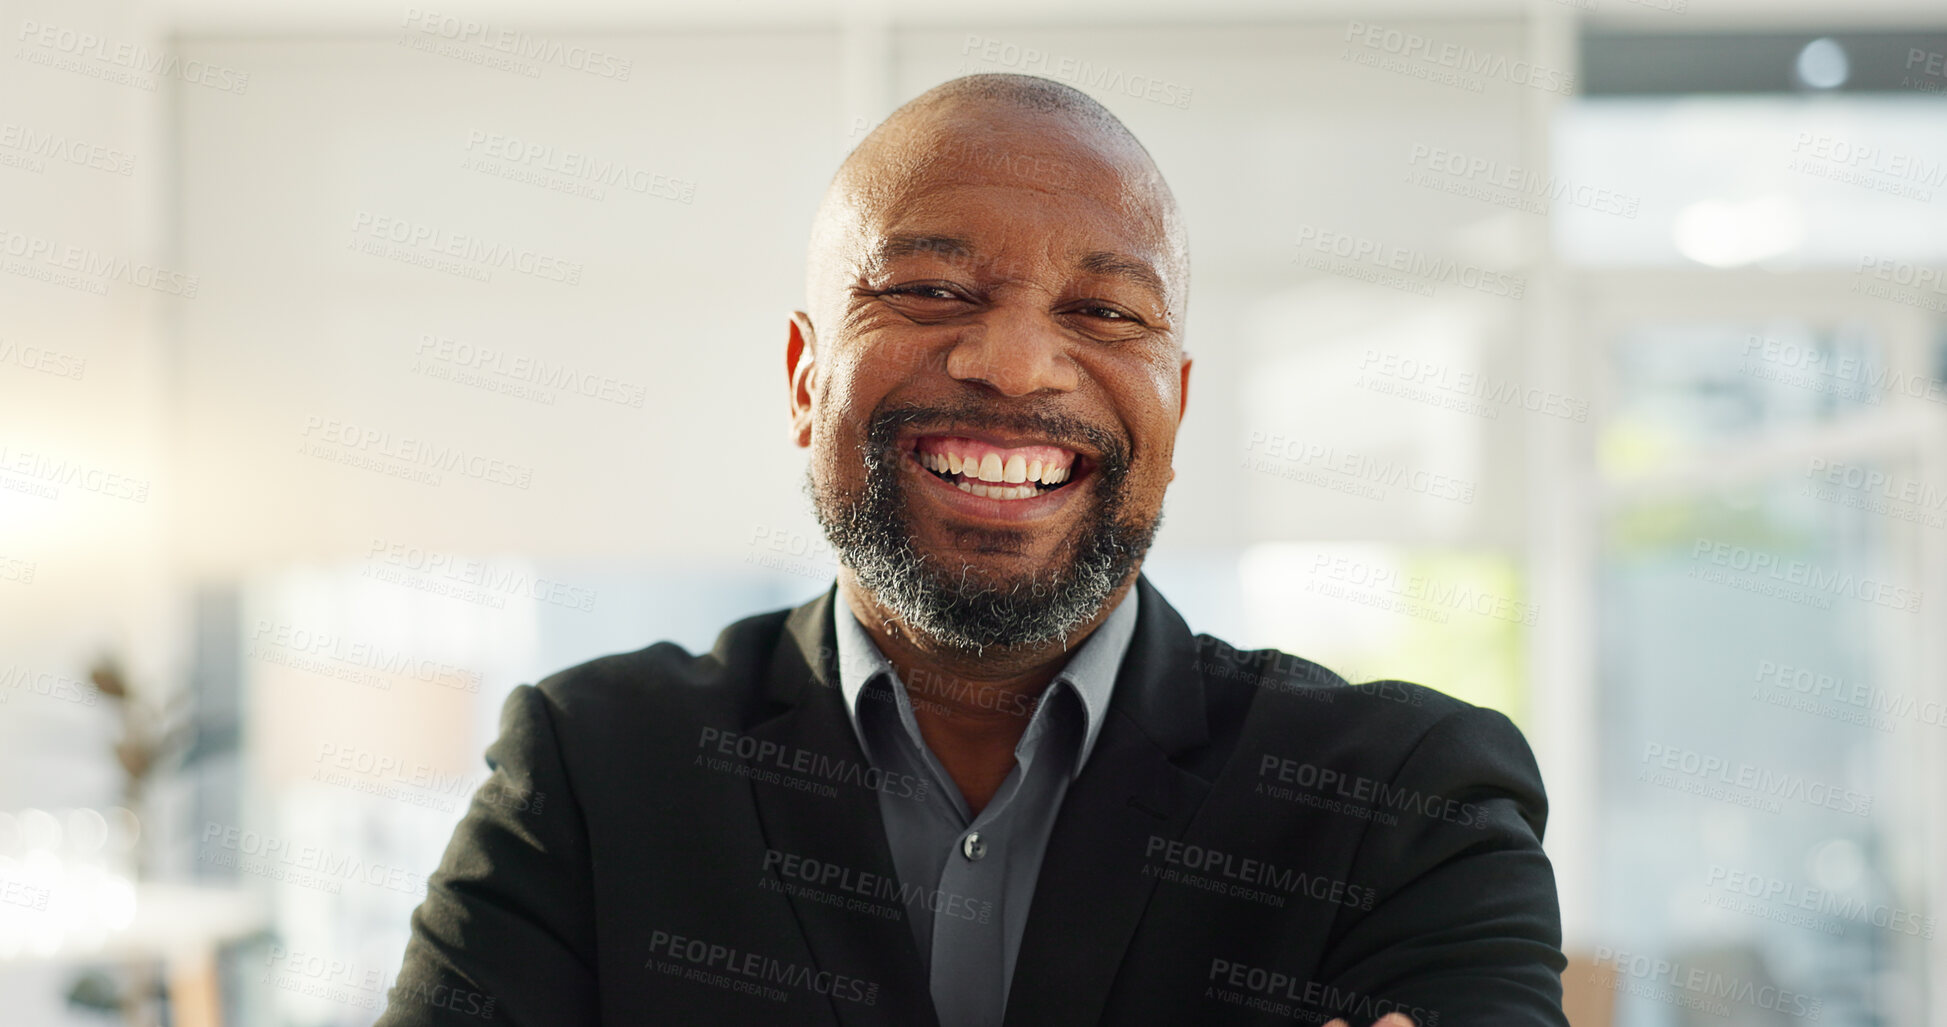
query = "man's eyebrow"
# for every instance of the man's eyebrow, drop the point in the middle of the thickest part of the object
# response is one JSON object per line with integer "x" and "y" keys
{"x": 1139, "y": 271}
{"x": 956, "y": 248}
{"x": 893, "y": 247}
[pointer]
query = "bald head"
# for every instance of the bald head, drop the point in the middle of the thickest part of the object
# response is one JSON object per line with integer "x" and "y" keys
{"x": 983, "y": 131}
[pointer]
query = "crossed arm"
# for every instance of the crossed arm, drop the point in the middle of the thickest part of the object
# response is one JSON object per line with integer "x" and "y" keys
{"x": 1468, "y": 930}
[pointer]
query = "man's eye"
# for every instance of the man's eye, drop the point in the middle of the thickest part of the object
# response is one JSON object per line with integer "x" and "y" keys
{"x": 1107, "y": 313}
{"x": 925, "y": 292}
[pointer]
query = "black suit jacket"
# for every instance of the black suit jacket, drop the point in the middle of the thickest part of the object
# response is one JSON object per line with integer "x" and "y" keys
{"x": 1253, "y": 840}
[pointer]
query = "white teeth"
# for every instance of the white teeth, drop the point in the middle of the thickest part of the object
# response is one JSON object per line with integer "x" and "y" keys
{"x": 996, "y": 473}
{"x": 997, "y": 491}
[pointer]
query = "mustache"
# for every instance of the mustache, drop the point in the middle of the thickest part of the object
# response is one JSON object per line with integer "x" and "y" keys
{"x": 888, "y": 422}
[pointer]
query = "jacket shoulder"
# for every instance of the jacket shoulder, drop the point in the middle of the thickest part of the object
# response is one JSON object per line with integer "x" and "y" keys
{"x": 1277, "y": 685}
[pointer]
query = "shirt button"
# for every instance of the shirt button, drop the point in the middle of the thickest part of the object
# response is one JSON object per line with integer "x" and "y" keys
{"x": 972, "y": 847}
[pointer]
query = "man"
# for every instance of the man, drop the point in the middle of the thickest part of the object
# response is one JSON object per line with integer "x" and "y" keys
{"x": 990, "y": 777}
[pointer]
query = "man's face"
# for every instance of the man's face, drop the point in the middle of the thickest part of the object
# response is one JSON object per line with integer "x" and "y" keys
{"x": 993, "y": 383}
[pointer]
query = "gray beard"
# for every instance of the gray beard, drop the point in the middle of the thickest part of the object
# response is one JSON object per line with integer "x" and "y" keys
{"x": 951, "y": 603}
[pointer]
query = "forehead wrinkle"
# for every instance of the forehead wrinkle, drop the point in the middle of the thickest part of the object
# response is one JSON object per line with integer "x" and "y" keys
{"x": 955, "y": 146}
{"x": 1116, "y": 265}
{"x": 890, "y": 248}
{"x": 930, "y": 198}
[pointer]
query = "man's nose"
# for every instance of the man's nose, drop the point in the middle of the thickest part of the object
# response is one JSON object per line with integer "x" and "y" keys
{"x": 1015, "y": 353}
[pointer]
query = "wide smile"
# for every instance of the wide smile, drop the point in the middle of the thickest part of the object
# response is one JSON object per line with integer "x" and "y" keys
{"x": 997, "y": 478}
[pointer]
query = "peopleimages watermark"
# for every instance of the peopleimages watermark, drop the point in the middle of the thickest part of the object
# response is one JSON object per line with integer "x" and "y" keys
{"x": 861, "y": 891}
{"x": 47, "y": 685}
{"x": 332, "y": 655}
{"x": 24, "y": 895}
{"x": 1440, "y": 384}
{"x": 373, "y": 449}
{"x": 1415, "y": 595}
{"x": 1357, "y": 795}
{"x": 1473, "y": 176}
{"x": 118, "y": 61}
{"x": 1397, "y": 267}
{"x": 1077, "y": 72}
{"x": 30, "y": 150}
{"x": 42, "y": 475}
{"x": 345, "y": 982}
{"x": 567, "y": 171}
{"x": 301, "y": 865}
{"x": 785, "y": 549}
{"x": 454, "y": 253}
{"x": 466, "y": 578}
{"x": 1816, "y": 909}
{"x": 753, "y": 973}
{"x": 415, "y": 783}
{"x": 42, "y": 360}
{"x": 1743, "y": 784}
{"x": 1816, "y": 368}
{"x": 1838, "y": 159}
{"x": 1792, "y": 689}
{"x": 17, "y": 570}
{"x": 1291, "y": 995}
{"x": 1271, "y": 669}
{"x": 1243, "y": 877}
{"x": 1040, "y": 167}
{"x": 1315, "y": 463}
{"x": 85, "y": 269}
{"x": 920, "y": 685}
{"x": 1280, "y": 671}
{"x": 1875, "y": 491}
{"x": 1446, "y": 63}
{"x": 317, "y": 976}
{"x": 1696, "y": 987}
{"x": 518, "y": 376}
{"x": 1800, "y": 688}
{"x": 1795, "y": 581}
{"x": 1925, "y": 70}
{"x": 1901, "y": 281}
{"x": 505, "y": 48}
{"x": 791, "y": 766}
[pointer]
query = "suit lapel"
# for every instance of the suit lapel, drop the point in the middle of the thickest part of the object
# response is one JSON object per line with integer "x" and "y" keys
{"x": 1092, "y": 891}
{"x": 846, "y": 830}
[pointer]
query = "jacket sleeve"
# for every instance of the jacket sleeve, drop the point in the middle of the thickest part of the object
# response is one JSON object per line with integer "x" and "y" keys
{"x": 506, "y": 933}
{"x": 1465, "y": 928}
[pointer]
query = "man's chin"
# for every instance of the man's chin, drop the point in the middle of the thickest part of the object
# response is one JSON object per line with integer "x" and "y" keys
{"x": 980, "y": 588}
{"x": 983, "y": 552}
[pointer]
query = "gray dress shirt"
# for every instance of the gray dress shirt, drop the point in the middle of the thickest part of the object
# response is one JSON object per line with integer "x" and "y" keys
{"x": 972, "y": 877}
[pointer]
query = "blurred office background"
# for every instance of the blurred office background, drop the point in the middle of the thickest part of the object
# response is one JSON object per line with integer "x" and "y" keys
{"x": 1582, "y": 359}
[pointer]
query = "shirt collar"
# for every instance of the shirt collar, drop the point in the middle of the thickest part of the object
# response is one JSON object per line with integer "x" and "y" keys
{"x": 1091, "y": 671}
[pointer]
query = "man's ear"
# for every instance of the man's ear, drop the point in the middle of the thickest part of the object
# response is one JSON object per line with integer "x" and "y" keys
{"x": 800, "y": 358}
{"x": 1182, "y": 397}
{"x": 1183, "y": 389}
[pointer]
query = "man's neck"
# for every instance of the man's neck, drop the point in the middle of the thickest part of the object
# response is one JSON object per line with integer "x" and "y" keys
{"x": 971, "y": 709}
